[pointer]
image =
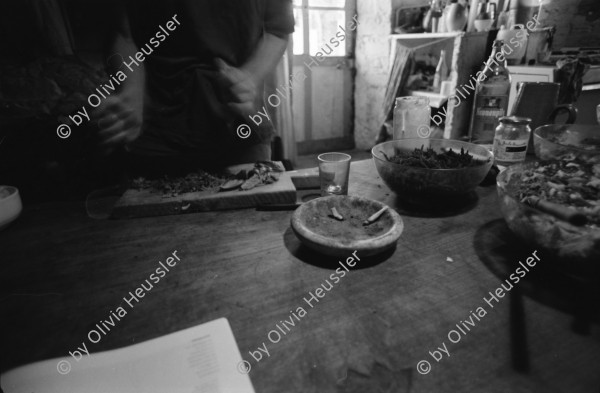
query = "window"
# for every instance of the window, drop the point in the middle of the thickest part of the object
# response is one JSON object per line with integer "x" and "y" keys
{"x": 324, "y": 19}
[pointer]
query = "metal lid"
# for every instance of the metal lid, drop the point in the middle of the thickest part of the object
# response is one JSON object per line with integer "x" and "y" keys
{"x": 515, "y": 120}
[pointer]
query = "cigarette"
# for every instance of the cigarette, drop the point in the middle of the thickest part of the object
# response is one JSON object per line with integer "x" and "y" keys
{"x": 375, "y": 216}
{"x": 336, "y": 214}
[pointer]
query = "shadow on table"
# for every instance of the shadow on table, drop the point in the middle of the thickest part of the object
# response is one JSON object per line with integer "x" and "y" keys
{"x": 306, "y": 255}
{"x": 434, "y": 208}
{"x": 500, "y": 251}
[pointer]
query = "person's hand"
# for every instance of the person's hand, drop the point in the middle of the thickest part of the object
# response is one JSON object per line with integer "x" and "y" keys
{"x": 238, "y": 89}
{"x": 119, "y": 120}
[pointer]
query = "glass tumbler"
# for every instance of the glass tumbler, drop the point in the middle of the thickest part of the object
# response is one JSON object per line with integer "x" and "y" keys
{"x": 334, "y": 170}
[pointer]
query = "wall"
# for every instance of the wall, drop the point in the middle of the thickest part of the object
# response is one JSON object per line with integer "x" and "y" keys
{"x": 577, "y": 22}
{"x": 372, "y": 62}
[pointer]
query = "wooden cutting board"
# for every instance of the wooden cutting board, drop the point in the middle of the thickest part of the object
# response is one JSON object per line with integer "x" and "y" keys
{"x": 145, "y": 203}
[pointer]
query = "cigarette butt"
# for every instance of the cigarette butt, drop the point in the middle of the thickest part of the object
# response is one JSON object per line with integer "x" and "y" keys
{"x": 375, "y": 216}
{"x": 336, "y": 214}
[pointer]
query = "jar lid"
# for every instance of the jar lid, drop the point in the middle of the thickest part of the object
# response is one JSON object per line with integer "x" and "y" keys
{"x": 515, "y": 120}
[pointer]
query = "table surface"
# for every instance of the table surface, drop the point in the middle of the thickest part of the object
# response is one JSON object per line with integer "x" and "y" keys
{"x": 62, "y": 272}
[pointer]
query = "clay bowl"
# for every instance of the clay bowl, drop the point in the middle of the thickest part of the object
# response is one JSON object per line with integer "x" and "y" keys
{"x": 314, "y": 225}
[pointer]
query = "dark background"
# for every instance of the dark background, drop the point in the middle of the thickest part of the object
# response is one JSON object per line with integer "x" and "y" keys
{"x": 41, "y": 82}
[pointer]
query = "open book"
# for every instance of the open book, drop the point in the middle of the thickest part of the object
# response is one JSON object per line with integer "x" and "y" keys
{"x": 200, "y": 359}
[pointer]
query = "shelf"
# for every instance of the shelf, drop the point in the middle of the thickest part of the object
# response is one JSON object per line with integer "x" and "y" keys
{"x": 421, "y": 36}
{"x": 465, "y": 52}
{"x": 433, "y": 36}
{"x": 595, "y": 86}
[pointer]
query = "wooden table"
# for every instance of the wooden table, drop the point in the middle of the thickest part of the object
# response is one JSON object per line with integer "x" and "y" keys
{"x": 62, "y": 272}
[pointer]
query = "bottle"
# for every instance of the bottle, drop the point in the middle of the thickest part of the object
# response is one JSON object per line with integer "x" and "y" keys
{"x": 472, "y": 14}
{"x": 455, "y": 16}
{"x": 491, "y": 97}
{"x": 512, "y": 13}
{"x": 511, "y": 140}
{"x": 482, "y": 10}
{"x": 442, "y": 25}
{"x": 441, "y": 72}
{"x": 483, "y": 21}
{"x": 428, "y": 18}
{"x": 503, "y": 16}
{"x": 491, "y": 11}
{"x": 436, "y": 14}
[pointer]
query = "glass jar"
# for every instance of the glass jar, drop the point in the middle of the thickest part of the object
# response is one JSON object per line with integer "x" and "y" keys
{"x": 411, "y": 117}
{"x": 511, "y": 139}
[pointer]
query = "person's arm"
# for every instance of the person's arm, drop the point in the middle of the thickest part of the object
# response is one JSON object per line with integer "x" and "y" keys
{"x": 120, "y": 115}
{"x": 242, "y": 83}
{"x": 268, "y": 54}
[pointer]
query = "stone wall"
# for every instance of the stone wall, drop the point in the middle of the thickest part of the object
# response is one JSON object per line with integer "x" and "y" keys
{"x": 577, "y": 22}
{"x": 372, "y": 62}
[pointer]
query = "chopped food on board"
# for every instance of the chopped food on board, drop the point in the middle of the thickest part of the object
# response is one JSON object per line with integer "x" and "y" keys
{"x": 264, "y": 172}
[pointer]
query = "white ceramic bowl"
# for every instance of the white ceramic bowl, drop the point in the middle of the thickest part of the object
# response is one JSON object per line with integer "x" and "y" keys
{"x": 10, "y": 205}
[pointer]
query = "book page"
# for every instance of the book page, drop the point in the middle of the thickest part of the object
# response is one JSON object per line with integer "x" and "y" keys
{"x": 200, "y": 359}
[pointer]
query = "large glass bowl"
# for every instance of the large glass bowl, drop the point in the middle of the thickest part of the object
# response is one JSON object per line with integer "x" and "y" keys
{"x": 577, "y": 245}
{"x": 552, "y": 140}
{"x": 415, "y": 183}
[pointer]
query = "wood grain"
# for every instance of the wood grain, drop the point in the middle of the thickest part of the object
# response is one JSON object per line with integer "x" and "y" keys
{"x": 63, "y": 272}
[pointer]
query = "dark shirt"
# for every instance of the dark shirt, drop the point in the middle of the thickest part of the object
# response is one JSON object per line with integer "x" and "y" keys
{"x": 180, "y": 89}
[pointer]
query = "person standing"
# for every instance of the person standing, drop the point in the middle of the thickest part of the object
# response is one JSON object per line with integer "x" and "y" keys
{"x": 180, "y": 109}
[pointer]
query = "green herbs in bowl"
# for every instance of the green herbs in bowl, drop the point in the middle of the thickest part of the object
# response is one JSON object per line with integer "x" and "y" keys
{"x": 431, "y": 168}
{"x": 431, "y": 159}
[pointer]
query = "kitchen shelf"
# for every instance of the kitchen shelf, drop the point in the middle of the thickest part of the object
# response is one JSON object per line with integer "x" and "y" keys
{"x": 420, "y": 36}
{"x": 466, "y": 55}
{"x": 595, "y": 86}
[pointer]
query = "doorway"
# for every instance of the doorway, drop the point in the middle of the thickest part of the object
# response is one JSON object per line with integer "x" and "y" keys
{"x": 323, "y": 50}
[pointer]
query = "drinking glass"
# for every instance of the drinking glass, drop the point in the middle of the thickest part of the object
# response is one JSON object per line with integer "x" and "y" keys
{"x": 411, "y": 117}
{"x": 334, "y": 170}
